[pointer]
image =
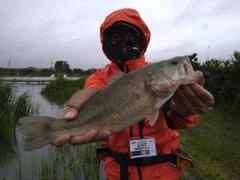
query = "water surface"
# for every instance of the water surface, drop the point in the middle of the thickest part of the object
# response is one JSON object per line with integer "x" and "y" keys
{"x": 45, "y": 163}
{"x": 17, "y": 157}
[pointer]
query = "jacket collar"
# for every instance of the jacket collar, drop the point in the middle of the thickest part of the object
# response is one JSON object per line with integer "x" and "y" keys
{"x": 132, "y": 64}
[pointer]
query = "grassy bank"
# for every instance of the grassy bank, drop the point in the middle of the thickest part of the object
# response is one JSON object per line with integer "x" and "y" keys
{"x": 60, "y": 90}
{"x": 214, "y": 144}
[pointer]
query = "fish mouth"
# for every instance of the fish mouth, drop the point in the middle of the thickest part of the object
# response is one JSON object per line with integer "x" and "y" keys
{"x": 184, "y": 69}
{"x": 186, "y": 66}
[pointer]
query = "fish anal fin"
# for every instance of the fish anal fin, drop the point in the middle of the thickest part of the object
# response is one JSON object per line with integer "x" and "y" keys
{"x": 153, "y": 117}
{"x": 115, "y": 77}
{"x": 80, "y": 97}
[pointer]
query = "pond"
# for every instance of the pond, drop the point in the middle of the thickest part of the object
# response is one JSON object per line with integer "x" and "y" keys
{"x": 49, "y": 162}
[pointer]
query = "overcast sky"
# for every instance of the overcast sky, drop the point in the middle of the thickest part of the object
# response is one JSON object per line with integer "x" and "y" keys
{"x": 36, "y": 33}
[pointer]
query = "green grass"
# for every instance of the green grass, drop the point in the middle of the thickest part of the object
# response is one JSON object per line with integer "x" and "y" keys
{"x": 60, "y": 90}
{"x": 65, "y": 163}
{"x": 214, "y": 144}
{"x": 12, "y": 107}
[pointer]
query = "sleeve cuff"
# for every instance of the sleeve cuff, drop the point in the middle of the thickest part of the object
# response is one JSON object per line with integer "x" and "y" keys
{"x": 166, "y": 108}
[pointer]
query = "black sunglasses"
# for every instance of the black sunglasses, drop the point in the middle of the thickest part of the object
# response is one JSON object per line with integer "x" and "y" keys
{"x": 129, "y": 38}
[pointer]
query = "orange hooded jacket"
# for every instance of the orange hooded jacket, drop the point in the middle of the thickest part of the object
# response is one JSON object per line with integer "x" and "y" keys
{"x": 167, "y": 140}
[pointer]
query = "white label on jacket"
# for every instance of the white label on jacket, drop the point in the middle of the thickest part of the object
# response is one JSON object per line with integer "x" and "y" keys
{"x": 142, "y": 147}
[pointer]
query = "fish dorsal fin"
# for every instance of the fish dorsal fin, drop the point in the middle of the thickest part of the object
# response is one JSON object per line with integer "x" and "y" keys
{"x": 80, "y": 97}
{"x": 115, "y": 77}
{"x": 153, "y": 117}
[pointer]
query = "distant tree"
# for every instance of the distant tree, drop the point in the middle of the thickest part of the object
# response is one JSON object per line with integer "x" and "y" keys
{"x": 90, "y": 71}
{"x": 193, "y": 57}
{"x": 27, "y": 70}
{"x": 222, "y": 79}
{"x": 213, "y": 71}
{"x": 77, "y": 71}
{"x": 45, "y": 71}
{"x": 231, "y": 91}
{"x": 62, "y": 66}
{"x": 194, "y": 61}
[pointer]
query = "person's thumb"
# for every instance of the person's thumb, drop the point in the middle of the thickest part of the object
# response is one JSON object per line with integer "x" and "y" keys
{"x": 71, "y": 113}
{"x": 201, "y": 80}
{"x": 68, "y": 113}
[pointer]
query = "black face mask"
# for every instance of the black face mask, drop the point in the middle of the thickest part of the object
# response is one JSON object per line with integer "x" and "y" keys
{"x": 123, "y": 52}
{"x": 122, "y": 43}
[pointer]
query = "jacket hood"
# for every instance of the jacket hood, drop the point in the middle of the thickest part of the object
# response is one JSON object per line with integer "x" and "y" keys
{"x": 127, "y": 15}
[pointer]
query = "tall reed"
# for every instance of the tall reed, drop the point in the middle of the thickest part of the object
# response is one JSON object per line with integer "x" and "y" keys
{"x": 12, "y": 107}
{"x": 67, "y": 162}
{"x": 60, "y": 90}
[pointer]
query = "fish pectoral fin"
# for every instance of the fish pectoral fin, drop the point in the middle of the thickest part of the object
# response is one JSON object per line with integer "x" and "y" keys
{"x": 81, "y": 96}
{"x": 153, "y": 117}
{"x": 190, "y": 79}
{"x": 115, "y": 77}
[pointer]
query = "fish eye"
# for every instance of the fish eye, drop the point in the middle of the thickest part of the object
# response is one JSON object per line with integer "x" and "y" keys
{"x": 174, "y": 62}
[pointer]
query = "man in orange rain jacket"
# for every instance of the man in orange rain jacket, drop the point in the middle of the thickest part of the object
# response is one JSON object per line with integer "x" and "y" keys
{"x": 125, "y": 38}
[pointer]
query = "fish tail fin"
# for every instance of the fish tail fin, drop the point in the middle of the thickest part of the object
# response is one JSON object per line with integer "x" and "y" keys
{"x": 37, "y": 131}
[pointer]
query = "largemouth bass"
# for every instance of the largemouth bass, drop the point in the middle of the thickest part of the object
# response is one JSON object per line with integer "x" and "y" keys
{"x": 126, "y": 100}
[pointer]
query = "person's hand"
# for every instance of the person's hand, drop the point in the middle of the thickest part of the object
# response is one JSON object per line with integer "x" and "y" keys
{"x": 69, "y": 113}
{"x": 192, "y": 98}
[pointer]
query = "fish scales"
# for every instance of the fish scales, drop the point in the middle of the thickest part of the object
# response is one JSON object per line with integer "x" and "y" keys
{"x": 120, "y": 99}
{"x": 136, "y": 95}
